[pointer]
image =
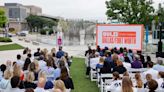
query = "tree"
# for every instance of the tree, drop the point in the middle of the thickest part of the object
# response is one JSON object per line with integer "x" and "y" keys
{"x": 130, "y": 11}
{"x": 161, "y": 12}
{"x": 3, "y": 18}
{"x": 39, "y": 22}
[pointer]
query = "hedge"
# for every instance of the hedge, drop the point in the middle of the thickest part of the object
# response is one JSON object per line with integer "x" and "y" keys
{"x": 4, "y": 39}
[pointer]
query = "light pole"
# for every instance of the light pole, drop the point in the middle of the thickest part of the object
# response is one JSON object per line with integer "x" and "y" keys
{"x": 160, "y": 32}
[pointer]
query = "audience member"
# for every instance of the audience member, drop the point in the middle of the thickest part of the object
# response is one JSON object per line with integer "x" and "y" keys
{"x": 19, "y": 61}
{"x": 101, "y": 63}
{"x": 66, "y": 78}
{"x": 5, "y": 82}
{"x": 40, "y": 85}
{"x": 160, "y": 80}
{"x": 29, "y": 90}
{"x": 136, "y": 63}
{"x": 115, "y": 83}
{"x": 17, "y": 71}
{"x": 37, "y": 54}
{"x": 151, "y": 71}
{"x": 27, "y": 62}
{"x": 15, "y": 83}
{"x": 59, "y": 84}
{"x": 159, "y": 67}
{"x": 152, "y": 85}
{"x": 49, "y": 70}
{"x": 3, "y": 68}
{"x": 60, "y": 53}
{"x": 138, "y": 83}
{"x": 126, "y": 86}
{"x": 119, "y": 68}
{"x": 148, "y": 58}
{"x": 29, "y": 82}
{"x": 57, "y": 71}
{"x": 37, "y": 70}
{"x": 106, "y": 68}
{"x": 148, "y": 78}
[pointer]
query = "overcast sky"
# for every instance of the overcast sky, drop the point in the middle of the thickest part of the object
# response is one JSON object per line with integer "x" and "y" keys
{"x": 74, "y": 9}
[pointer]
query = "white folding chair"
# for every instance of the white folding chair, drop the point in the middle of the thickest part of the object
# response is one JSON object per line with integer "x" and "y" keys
{"x": 93, "y": 74}
{"x": 105, "y": 79}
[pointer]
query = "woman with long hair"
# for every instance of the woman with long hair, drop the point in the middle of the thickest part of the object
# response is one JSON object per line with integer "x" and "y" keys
{"x": 126, "y": 86}
{"x": 139, "y": 83}
{"x": 66, "y": 78}
{"x": 29, "y": 80}
{"x": 59, "y": 84}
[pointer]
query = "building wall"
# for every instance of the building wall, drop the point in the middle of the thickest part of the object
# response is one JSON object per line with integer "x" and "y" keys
{"x": 17, "y": 14}
{"x": 34, "y": 10}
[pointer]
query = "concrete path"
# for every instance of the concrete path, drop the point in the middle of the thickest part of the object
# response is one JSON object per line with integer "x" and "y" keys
{"x": 76, "y": 51}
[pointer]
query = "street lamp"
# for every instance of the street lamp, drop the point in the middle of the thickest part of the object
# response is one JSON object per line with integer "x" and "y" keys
{"x": 160, "y": 32}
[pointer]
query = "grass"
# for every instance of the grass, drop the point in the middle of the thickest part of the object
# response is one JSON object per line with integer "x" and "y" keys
{"x": 81, "y": 83}
{"x": 10, "y": 47}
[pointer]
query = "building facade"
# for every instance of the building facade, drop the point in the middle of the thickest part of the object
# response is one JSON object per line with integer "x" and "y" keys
{"x": 17, "y": 14}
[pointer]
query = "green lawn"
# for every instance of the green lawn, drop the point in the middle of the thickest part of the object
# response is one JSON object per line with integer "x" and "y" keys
{"x": 10, "y": 47}
{"x": 81, "y": 83}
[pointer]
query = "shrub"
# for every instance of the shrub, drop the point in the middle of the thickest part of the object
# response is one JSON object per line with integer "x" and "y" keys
{"x": 50, "y": 31}
{"x": 4, "y": 39}
{"x": 44, "y": 31}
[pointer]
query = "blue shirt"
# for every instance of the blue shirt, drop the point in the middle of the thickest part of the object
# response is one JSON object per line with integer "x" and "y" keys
{"x": 158, "y": 67}
{"x": 99, "y": 66}
{"x": 59, "y": 54}
{"x": 57, "y": 73}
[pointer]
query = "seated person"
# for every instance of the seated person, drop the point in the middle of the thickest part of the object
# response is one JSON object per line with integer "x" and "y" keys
{"x": 148, "y": 78}
{"x": 29, "y": 81}
{"x": 115, "y": 83}
{"x": 15, "y": 83}
{"x": 106, "y": 68}
{"x": 94, "y": 61}
{"x": 138, "y": 81}
{"x": 159, "y": 66}
{"x": 119, "y": 68}
{"x": 5, "y": 82}
{"x": 160, "y": 81}
{"x": 151, "y": 71}
{"x": 152, "y": 85}
{"x": 136, "y": 63}
{"x": 127, "y": 86}
{"x": 101, "y": 63}
{"x": 66, "y": 79}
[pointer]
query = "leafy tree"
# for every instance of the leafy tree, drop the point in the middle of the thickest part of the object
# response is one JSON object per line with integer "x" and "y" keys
{"x": 39, "y": 22}
{"x": 130, "y": 11}
{"x": 62, "y": 25}
{"x": 3, "y": 18}
{"x": 161, "y": 12}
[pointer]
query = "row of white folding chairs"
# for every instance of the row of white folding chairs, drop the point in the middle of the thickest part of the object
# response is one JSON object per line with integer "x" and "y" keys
{"x": 144, "y": 90}
{"x": 101, "y": 77}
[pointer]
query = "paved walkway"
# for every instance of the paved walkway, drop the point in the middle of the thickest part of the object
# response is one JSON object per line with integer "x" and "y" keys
{"x": 76, "y": 51}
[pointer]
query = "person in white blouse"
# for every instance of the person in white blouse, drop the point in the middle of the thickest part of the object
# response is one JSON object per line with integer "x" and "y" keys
{"x": 151, "y": 71}
{"x": 127, "y": 86}
{"x": 115, "y": 83}
{"x": 160, "y": 81}
{"x": 41, "y": 84}
{"x": 95, "y": 61}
